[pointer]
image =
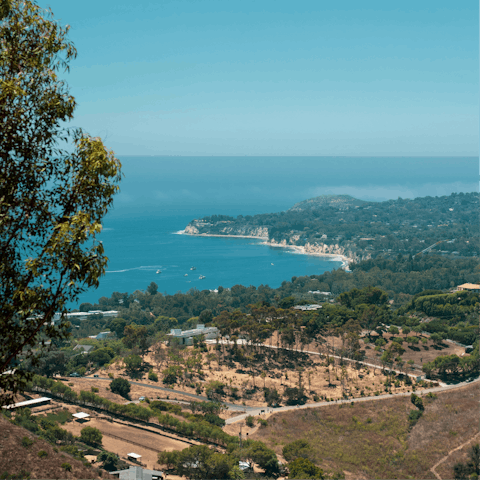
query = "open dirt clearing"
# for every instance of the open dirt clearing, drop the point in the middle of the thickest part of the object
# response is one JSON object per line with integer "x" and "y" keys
{"x": 122, "y": 439}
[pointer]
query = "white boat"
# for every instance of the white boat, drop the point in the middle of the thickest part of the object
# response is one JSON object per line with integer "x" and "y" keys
{"x": 186, "y": 275}
{"x": 193, "y": 268}
{"x": 201, "y": 277}
{"x": 159, "y": 271}
{"x": 271, "y": 264}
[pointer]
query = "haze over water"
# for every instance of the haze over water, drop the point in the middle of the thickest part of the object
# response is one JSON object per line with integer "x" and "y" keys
{"x": 160, "y": 195}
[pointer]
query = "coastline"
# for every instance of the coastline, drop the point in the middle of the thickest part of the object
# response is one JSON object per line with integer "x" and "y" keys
{"x": 301, "y": 250}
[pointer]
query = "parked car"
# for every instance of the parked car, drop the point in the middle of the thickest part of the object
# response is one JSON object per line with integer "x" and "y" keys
{"x": 95, "y": 376}
{"x": 142, "y": 399}
{"x": 74, "y": 374}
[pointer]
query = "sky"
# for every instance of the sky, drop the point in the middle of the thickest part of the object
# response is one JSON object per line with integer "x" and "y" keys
{"x": 275, "y": 77}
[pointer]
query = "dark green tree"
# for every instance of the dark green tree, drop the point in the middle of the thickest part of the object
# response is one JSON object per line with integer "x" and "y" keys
{"x": 120, "y": 386}
{"x": 91, "y": 436}
{"x": 109, "y": 460}
{"x": 52, "y": 200}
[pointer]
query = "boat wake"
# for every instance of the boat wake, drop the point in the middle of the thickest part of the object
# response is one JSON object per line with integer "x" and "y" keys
{"x": 146, "y": 268}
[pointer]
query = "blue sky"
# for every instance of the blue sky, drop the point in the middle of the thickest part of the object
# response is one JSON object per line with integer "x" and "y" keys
{"x": 344, "y": 77}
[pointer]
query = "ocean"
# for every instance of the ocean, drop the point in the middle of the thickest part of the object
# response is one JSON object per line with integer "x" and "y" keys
{"x": 160, "y": 195}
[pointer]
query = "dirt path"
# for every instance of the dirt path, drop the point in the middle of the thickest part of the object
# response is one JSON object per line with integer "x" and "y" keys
{"x": 433, "y": 469}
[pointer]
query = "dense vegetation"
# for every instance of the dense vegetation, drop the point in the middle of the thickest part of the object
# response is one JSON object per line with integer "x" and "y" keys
{"x": 365, "y": 229}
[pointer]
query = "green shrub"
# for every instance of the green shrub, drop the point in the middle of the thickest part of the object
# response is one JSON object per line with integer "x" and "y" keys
{"x": 120, "y": 386}
{"x": 42, "y": 453}
{"x": 250, "y": 421}
{"x": 414, "y": 417}
{"x": 67, "y": 467}
{"x": 110, "y": 375}
{"x": 417, "y": 401}
{"x": 262, "y": 422}
{"x": 27, "y": 442}
{"x": 94, "y": 389}
{"x": 152, "y": 376}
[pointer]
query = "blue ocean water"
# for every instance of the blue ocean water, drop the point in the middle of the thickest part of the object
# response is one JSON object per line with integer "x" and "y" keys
{"x": 160, "y": 195}
{"x": 138, "y": 247}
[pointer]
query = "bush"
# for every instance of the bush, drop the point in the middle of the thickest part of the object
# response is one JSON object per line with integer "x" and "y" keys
{"x": 304, "y": 468}
{"x": 414, "y": 417}
{"x": 250, "y": 421}
{"x": 91, "y": 436}
{"x": 152, "y": 376}
{"x": 42, "y": 454}
{"x": 27, "y": 442}
{"x": 67, "y": 467}
{"x": 94, "y": 389}
{"x": 110, "y": 375}
{"x": 120, "y": 386}
{"x": 262, "y": 422}
{"x": 297, "y": 449}
{"x": 417, "y": 401}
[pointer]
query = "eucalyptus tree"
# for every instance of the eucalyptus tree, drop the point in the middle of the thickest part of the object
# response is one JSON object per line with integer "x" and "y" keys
{"x": 56, "y": 184}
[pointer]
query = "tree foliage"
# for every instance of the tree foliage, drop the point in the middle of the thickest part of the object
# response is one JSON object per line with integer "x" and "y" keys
{"x": 91, "y": 436}
{"x": 120, "y": 386}
{"x": 52, "y": 198}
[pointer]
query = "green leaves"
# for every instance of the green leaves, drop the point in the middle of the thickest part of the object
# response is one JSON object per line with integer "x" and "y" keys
{"x": 52, "y": 201}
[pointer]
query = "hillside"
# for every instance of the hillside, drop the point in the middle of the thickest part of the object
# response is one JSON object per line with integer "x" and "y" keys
{"x": 376, "y": 439}
{"x": 21, "y": 460}
{"x": 340, "y": 224}
{"x": 341, "y": 202}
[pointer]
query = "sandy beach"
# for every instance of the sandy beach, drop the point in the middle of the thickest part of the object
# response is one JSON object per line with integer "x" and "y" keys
{"x": 313, "y": 250}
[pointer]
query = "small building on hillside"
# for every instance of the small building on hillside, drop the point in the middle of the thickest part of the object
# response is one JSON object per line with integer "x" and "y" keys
{"x": 36, "y": 402}
{"x": 186, "y": 337}
{"x": 470, "y": 287}
{"x": 307, "y": 308}
{"x": 83, "y": 348}
{"x": 138, "y": 473}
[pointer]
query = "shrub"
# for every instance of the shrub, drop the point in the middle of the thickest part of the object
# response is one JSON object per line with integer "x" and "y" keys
{"x": 94, "y": 389}
{"x": 42, "y": 453}
{"x": 262, "y": 422}
{"x": 120, "y": 386}
{"x": 27, "y": 442}
{"x": 297, "y": 449}
{"x": 110, "y": 375}
{"x": 304, "y": 468}
{"x": 91, "y": 436}
{"x": 414, "y": 417}
{"x": 152, "y": 376}
{"x": 417, "y": 401}
{"x": 250, "y": 421}
{"x": 67, "y": 467}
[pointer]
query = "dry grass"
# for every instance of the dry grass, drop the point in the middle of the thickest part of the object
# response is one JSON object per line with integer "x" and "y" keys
{"x": 279, "y": 373}
{"x": 372, "y": 439}
{"x": 15, "y": 458}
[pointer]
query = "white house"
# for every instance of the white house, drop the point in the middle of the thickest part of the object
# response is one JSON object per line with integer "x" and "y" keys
{"x": 186, "y": 337}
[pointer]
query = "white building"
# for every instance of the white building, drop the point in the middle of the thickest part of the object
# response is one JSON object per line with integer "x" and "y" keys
{"x": 186, "y": 337}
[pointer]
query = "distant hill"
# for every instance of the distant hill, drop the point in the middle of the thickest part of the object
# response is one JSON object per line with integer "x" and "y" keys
{"x": 344, "y": 225}
{"x": 340, "y": 202}
{"x": 19, "y": 461}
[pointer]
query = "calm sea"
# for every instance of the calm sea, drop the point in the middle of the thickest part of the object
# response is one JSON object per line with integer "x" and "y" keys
{"x": 160, "y": 195}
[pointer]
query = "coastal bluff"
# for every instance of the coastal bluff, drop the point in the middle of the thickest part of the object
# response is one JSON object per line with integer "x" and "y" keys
{"x": 357, "y": 230}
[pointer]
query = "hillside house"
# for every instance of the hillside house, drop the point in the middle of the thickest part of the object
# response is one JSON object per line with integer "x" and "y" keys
{"x": 470, "y": 287}
{"x": 186, "y": 337}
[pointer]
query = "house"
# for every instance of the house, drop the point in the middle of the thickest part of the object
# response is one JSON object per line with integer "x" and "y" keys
{"x": 470, "y": 287}
{"x": 307, "y": 307}
{"x": 138, "y": 473}
{"x": 84, "y": 348}
{"x": 186, "y": 337}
